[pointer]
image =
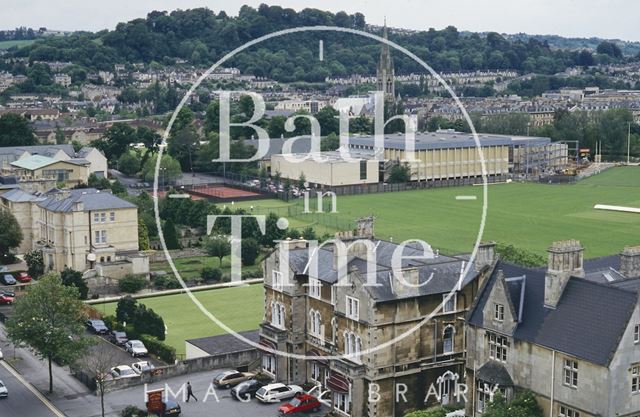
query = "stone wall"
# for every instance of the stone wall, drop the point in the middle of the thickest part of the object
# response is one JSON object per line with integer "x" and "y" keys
{"x": 159, "y": 255}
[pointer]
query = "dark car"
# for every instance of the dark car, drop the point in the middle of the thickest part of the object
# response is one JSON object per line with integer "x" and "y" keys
{"x": 8, "y": 279}
{"x": 97, "y": 326}
{"x": 8, "y": 293}
{"x": 247, "y": 389}
{"x": 119, "y": 338}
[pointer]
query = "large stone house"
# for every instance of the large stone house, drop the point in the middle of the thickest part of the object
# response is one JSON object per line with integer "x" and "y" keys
{"x": 401, "y": 339}
{"x": 570, "y": 333}
{"x": 81, "y": 229}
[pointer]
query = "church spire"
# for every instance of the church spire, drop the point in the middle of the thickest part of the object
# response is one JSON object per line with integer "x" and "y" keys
{"x": 385, "y": 72}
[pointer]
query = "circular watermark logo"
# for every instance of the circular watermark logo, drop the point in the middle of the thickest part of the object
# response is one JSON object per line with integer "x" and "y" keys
{"x": 283, "y": 223}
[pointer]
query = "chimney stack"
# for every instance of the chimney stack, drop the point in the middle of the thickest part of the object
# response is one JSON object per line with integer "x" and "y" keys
{"x": 364, "y": 228}
{"x": 407, "y": 284}
{"x": 630, "y": 262}
{"x": 485, "y": 256}
{"x": 565, "y": 261}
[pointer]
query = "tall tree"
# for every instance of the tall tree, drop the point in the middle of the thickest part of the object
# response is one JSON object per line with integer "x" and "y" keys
{"x": 218, "y": 247}
{"x": 49, "y": 319}
{"x": 73, "y": 278}
{"x": 170, "y": 235}
{"x": 10, "y": 234}
{"x": 15, "y": 130}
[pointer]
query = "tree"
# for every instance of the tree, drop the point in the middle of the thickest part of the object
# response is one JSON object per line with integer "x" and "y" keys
{"x": 209, "y": 273}
{"x": 60, "y": 138}
{"x": 128, "y": 164}
{"x": 73, "y": 278}
{"x": 35, "y": 263}
{"x": 116, "y": 140}
{"x": 98, "y": 361}
{"x": 15, "y": 130}
{"x": 400, "y": 173}
{"x": 524, "y": 405}
{"x": 49, "y": 319}
{"x": 118, "y": 188}
{"x": 169, "y": 169}
{"x": 250, "y": 251}
{"x": 301, "y": 181}
{"x": 218, "y": 247}
{"x": 125, "y": 309}
{"x": 170, "y": 235}
{"x": 10, "y": 235}
{"x": 143, "y": 235}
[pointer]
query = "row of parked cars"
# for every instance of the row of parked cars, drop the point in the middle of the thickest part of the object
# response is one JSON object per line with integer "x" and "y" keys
{"x": 245, "y": 385}
{"x": 134, "y": 347}
{"x": 11, "y": 279}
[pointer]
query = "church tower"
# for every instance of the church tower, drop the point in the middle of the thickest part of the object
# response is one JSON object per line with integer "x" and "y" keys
{"x": 385, "y": 73}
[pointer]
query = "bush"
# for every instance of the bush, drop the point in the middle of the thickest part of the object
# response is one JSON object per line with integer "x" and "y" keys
{"x": 168, "y": 282}
{"x": 211, "y": 274}
{"x": 111, "y": 322}
{"x": 133, "y": 411}
{"x": 163, "y": 351}
{"x": 132, "y": 284}
{"x": 250, "y": 251}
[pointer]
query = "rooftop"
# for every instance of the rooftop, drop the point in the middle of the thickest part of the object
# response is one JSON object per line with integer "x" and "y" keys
{"x": 34, "y": 162}
{"x": 91, "y": 199}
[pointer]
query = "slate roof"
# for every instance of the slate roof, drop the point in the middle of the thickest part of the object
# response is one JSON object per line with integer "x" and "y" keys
{"x": 18, "y": 196}
{"x": 12, "y": 153}
{"x": 439, "y": 274}
{"x": 587, "y": 323}
{"x": 225, "y": 343}
{"x": 91, "y": 198}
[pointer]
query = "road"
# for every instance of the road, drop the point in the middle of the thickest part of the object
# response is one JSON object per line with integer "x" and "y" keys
{"x": 24, "y": 400}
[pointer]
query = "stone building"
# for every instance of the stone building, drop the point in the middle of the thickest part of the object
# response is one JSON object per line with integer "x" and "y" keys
{"x": 385, "y": 73}
{"x": 341, "y": 308}
{"x": 571, "y": 334}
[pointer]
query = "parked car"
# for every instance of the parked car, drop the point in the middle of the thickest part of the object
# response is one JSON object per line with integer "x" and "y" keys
{"x": 136, "y": 348}
{"x": 122, "y": 371}
{"x": 97, "y": 326}
{"x": 23, "y": 277}
{"x": 8, "y": 279}
{"x": 119, "y": 338}
{"x": 6, "y": 299}
{"x": 4, "y": 392}
{"x": 1, "y": 355}
{"x": 273, "y": 393}
{"x": 302, "y": 403}
{"x": 140, "y": 367}
{"x": 8, "y": 293}
{"x": 247, "y": 389}
{"x": 231, "y": 378}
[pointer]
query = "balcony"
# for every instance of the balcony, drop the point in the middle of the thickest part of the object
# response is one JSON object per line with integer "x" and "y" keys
{"x": 274, "y": 333}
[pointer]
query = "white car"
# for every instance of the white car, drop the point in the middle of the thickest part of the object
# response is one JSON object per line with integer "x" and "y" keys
{"x": 122, "y": 371}
{"x": 1, "y": 355}
{"x": 140, "y": 367}
{"x": 4, "y": 392}
{"x": 273, "y": 393}
{"x": 136, "y": 348}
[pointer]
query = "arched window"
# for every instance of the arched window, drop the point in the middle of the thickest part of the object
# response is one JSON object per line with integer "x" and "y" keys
{"x": 449, "y": 331}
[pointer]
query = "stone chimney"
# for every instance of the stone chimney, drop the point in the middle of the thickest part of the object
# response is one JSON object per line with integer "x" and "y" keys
{"x": 364, "y": 228}
{"x": 630, "y": 262}
{"x": 565, "y": 261}
{"x": 408, "y": 284}
{"x": 485, "y": 256}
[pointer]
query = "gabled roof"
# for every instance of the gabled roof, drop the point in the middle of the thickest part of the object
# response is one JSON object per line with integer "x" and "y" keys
{"x": 34, "y": 162}
{"x": 91, "y": 198}
{"x": 495, "y": 373}
{"x": 587, "y": 323}
{"x": 438, "y": 274}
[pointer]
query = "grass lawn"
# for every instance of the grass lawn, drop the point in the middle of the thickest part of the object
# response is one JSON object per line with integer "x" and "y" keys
{"x": 190, "y": 268}
{"x": 530, "y": 216}
{"x": 240, "y": 308}
{"x": 19, "y": 44}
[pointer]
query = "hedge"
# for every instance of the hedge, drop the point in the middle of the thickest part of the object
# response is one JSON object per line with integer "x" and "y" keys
{"x": 163, "y": 351}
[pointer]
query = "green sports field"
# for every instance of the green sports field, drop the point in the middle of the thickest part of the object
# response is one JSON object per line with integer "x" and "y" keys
{"x": 529, "y": 216}
{"x": 19, "y": 44}
{"x": 240, "y": 308}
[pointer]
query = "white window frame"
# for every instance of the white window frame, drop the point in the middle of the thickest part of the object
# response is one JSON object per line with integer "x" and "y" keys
{"x": 451, "y": 305}
{"x": 96, "y": 217}
{"x": 352, "y": 308}
{"x": 276, "y": 281}
{"x": 570, "y": 373}
{"x": 112, "y": 216}
{"x": 568, "y": 412}
{"x": 498, "y": 347}
{"x": 315, "y": 288}
{"x": 277, "y": 314}
{"x": 636, "y": 334}
{"x": 342, "y": 403}
{"x": 334, "y": 295}
{"x": 635, "y": 379}
{"x": 269, "y": 364}
{"x": 316, "y": 374}
{"x": 498, "y": 312}
{"x": 444, "y": 340}
{"x": 103, "y": 217}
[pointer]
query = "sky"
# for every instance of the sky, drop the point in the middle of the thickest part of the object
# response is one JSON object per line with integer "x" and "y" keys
{"x": 613, "y": 19}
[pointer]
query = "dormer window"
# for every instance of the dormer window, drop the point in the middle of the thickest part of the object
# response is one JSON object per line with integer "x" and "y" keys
{"x": 315, "y": 288}
{"x": 498, "y": 312}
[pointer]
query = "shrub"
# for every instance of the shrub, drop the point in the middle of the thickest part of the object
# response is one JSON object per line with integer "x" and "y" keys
{"x": 133, "y": 411}
{"x": 162, "y": 350}
{"x": 168, "y": 282}
{"x": 147, "y": 321}
{"x": 211, "y": 274}
{"x": 250, "y": 251}
{"x": 111, "y": 322}
{"x": 132, "y": 284}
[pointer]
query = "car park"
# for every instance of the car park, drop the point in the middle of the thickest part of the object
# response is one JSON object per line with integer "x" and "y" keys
{"x": 140, "y": 367}
{"x": 23, "y": 277}
{"x": 277, "y": 392}
{"x": 4, "y": 392}
{"x": 136, "y": 348}
{"x": 231, "y": 378}
{"x": 247, "y": 389}
{"x": 117, "y": 337}
{"x": 301, "y": 403}
{"x": 6, "y": 299}
{"x": 97, "y": 326}
{"x": 122, "y": 371}
{"x": 8, "y": 279}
